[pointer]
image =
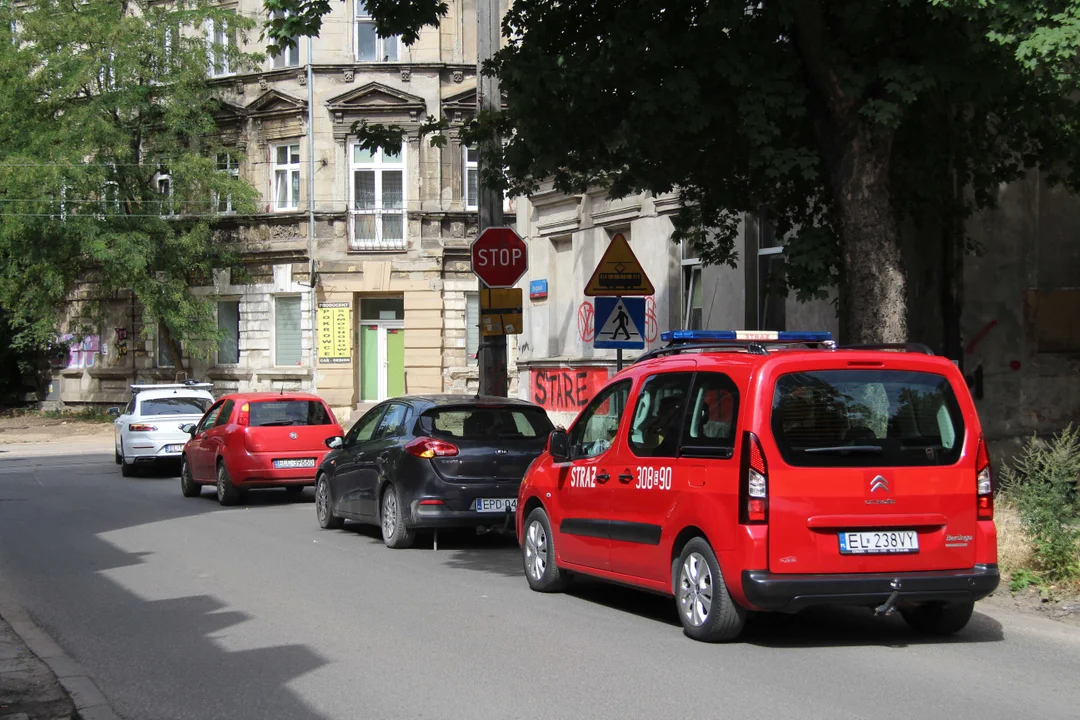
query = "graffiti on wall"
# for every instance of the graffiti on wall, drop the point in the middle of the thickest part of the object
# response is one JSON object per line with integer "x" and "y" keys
{"x": 82, "y": 353}
{"x": 121, "y": 342}
{"x": 566, "y": 389}
{"x": 585, "y": 322}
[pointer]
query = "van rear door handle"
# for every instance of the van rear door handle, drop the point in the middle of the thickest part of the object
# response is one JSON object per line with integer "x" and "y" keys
{"x": 602, "y": 477}
{"x": 625, "y": 478}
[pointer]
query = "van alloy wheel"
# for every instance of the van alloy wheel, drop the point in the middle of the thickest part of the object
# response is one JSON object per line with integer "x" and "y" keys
{"x": 695, "y": 590}
{"x": 536, "y": 550}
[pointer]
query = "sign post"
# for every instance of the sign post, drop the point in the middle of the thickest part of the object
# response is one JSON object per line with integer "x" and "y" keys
{"x": 619, "y": 285}
{"x": 499, "y": 258}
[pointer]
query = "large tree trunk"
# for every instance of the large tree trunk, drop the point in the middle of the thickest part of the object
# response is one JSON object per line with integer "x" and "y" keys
{"x": 874, "y": 289}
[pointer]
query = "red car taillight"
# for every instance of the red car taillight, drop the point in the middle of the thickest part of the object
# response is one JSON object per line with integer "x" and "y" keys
{"x": 425, "y": 447}
{"x": 244, "y": 415}
{"x": 754, "y": 486}
{"x": 141, "y": 428}
{"x": 984, "y": 480}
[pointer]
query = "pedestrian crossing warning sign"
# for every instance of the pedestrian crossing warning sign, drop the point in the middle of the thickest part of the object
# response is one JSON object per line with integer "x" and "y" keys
{"x": 618, "y": 273}
{"x": 620, "y": 324}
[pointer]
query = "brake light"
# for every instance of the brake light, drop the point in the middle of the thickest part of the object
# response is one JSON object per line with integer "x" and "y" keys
{"x": 425, "y": 447}
{"x": 141, "y": 428}
{"x": 245, "y": 414}
{"x": 432, "y": 501}
{"x": 984, "y": 480}
{"x": 754, "y": 488}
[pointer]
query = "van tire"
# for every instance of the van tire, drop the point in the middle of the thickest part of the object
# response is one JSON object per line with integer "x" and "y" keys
{"x": 938, "y": 618}
{"x": 538, "y": 555}
{"x": 724, "y": 619}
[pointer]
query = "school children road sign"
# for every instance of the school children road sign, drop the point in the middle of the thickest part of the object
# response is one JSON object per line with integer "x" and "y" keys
{"x": 619, "y": 273}
{"x": 620, "y": 323}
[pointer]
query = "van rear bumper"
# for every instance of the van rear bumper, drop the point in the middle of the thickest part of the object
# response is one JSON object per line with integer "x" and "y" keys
{"x": 775, "y": 592}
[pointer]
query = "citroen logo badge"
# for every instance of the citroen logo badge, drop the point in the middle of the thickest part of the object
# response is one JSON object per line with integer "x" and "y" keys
{"x": 879, "y": 483}
{"x": 292, "y": 436}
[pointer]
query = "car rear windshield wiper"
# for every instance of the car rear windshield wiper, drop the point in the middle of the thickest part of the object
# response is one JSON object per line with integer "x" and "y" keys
{"x": 277, "y": 423}
{"x": 861, "y": 449}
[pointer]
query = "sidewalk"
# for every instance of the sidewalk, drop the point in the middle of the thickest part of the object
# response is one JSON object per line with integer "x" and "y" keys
{"x": 38, "y": 681}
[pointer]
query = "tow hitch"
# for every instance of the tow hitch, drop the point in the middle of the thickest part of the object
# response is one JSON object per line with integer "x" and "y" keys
{"x": 889, "y": 606}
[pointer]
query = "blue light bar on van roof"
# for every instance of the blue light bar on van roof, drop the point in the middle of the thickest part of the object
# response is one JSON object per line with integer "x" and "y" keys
{"x": 745, "y": 336}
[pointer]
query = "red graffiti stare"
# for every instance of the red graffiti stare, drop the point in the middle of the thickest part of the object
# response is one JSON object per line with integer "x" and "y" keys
{"x": 652, "y": 328}
{"x": 566, "y": 389}
{"x": 585, "y": 329}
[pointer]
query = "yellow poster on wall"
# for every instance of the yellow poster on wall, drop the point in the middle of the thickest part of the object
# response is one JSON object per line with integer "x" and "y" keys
{"x": 335, "y": 333}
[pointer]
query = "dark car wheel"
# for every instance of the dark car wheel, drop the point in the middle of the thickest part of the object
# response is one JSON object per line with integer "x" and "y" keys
{"x": 705, "y": 607}
{"x": 188, "y": 486}
{"x": 324, "y": 506}
{"x": 227, "y": 493}
{"x": 538, "y": 554}
{"x": 392, "y": 520}
{"x": 126, "y": 469}
{"x": 938, "y": 618}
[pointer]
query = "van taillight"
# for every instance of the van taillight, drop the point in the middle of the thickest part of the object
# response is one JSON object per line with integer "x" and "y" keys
{"x": 425, "y": 447}
{"x": 984, "y": 480}
{"x": 245, "y": 414}
{"x": 754, "y": 488}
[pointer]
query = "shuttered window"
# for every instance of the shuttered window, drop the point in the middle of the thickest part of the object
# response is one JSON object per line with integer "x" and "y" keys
{"x": 287, "y": 349}
{"x": 472, "y": 326}
{"x": 228, "y": 317}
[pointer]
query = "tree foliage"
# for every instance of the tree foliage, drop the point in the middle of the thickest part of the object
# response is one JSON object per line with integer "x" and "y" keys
{"x": 109, "y": 161}
{"x": 837, "y": 120}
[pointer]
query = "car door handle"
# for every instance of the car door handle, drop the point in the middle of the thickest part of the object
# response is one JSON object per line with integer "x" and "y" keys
{"x": 602, "y": 477}
{"x": 625, "y": 478}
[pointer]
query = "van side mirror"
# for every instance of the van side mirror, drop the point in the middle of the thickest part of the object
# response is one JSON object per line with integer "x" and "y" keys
{"x": 113, "y": 412}
{"x": 334, "y": 442}
{"x": 559, "y": 446}
{"x": 189, "y": 428}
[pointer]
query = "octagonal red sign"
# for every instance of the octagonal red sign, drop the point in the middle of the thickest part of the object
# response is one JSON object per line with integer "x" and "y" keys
{"x": 499, "y": 257}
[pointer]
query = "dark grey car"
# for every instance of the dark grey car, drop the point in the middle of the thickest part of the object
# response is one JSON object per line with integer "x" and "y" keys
{"x": 430, "y": 462}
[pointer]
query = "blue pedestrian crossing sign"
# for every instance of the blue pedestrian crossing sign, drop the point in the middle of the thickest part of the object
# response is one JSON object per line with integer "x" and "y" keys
{"x": 620, "y": 323}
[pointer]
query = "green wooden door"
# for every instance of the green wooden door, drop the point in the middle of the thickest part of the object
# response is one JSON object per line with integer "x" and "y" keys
{"x": 395, "y": 362}
{"x": 369, "y": 363}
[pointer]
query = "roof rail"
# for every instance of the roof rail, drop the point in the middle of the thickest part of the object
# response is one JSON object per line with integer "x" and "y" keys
{"x": 675, "y": 349}
{"x": 190, "y": 385}
{"x": 753, "y": 342}
{"x": 911, "y": 347}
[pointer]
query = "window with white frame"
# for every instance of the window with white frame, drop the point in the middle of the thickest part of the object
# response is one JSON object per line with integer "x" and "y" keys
{"x": 472, "y": 327}
{"x": 286, "y": 177}
{"x": 771, "y": 295}
{"x": 288, "y": 338}
{"x": 378, "y": 207}
{"x": 369, "y": 46}
{"x": 691, "y": 305}
{"x": 228, "y": 318}
{"x": 219, "y": 41}
{"x": 164, "y": 188}
{"x": 229, "y": 165}
{"x": 290, "y": 56}
{"x": 471, "y": 185}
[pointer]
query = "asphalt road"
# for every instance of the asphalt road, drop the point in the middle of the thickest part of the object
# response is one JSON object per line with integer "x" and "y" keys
{"x": 182, "y": 609}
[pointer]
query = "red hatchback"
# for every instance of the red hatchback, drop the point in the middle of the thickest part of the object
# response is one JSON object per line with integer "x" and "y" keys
{"x": 737, "y": 475}
{"x": 257, "y": 440}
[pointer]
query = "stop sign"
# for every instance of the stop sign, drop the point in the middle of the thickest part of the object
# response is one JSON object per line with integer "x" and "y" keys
{"x": 499, "y": 257}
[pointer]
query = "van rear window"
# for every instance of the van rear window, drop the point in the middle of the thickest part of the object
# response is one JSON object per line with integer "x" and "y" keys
{"x": 866, "y": 418}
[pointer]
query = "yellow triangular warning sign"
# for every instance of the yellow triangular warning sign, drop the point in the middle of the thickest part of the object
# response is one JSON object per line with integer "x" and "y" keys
{"x": 619, "y": 273}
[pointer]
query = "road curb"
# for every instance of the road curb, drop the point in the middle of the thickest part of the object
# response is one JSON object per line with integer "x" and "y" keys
{"x": 90, "y": 703}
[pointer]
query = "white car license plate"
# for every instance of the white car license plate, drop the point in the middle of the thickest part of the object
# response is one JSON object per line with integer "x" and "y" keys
{"x": 174, "y": 448}
{"x": 496, "y": 505}
{"x": 879, "y": 542}
{"x": 295, "y": 463}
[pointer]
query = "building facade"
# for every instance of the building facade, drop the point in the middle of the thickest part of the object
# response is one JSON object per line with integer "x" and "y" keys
{"x": 358, "y": 284}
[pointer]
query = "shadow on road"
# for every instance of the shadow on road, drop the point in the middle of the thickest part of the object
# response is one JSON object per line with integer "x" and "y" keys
{"x": 193, "y": 673}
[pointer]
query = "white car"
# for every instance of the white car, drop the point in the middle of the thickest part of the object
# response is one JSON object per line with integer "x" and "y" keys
{"x": 149, "y": 430}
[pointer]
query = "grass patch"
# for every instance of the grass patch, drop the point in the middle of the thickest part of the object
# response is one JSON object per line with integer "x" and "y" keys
{"x": 86, "y": 414}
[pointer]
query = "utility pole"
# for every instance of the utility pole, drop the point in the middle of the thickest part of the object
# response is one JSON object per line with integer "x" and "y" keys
{"x": 492, "y": 352}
